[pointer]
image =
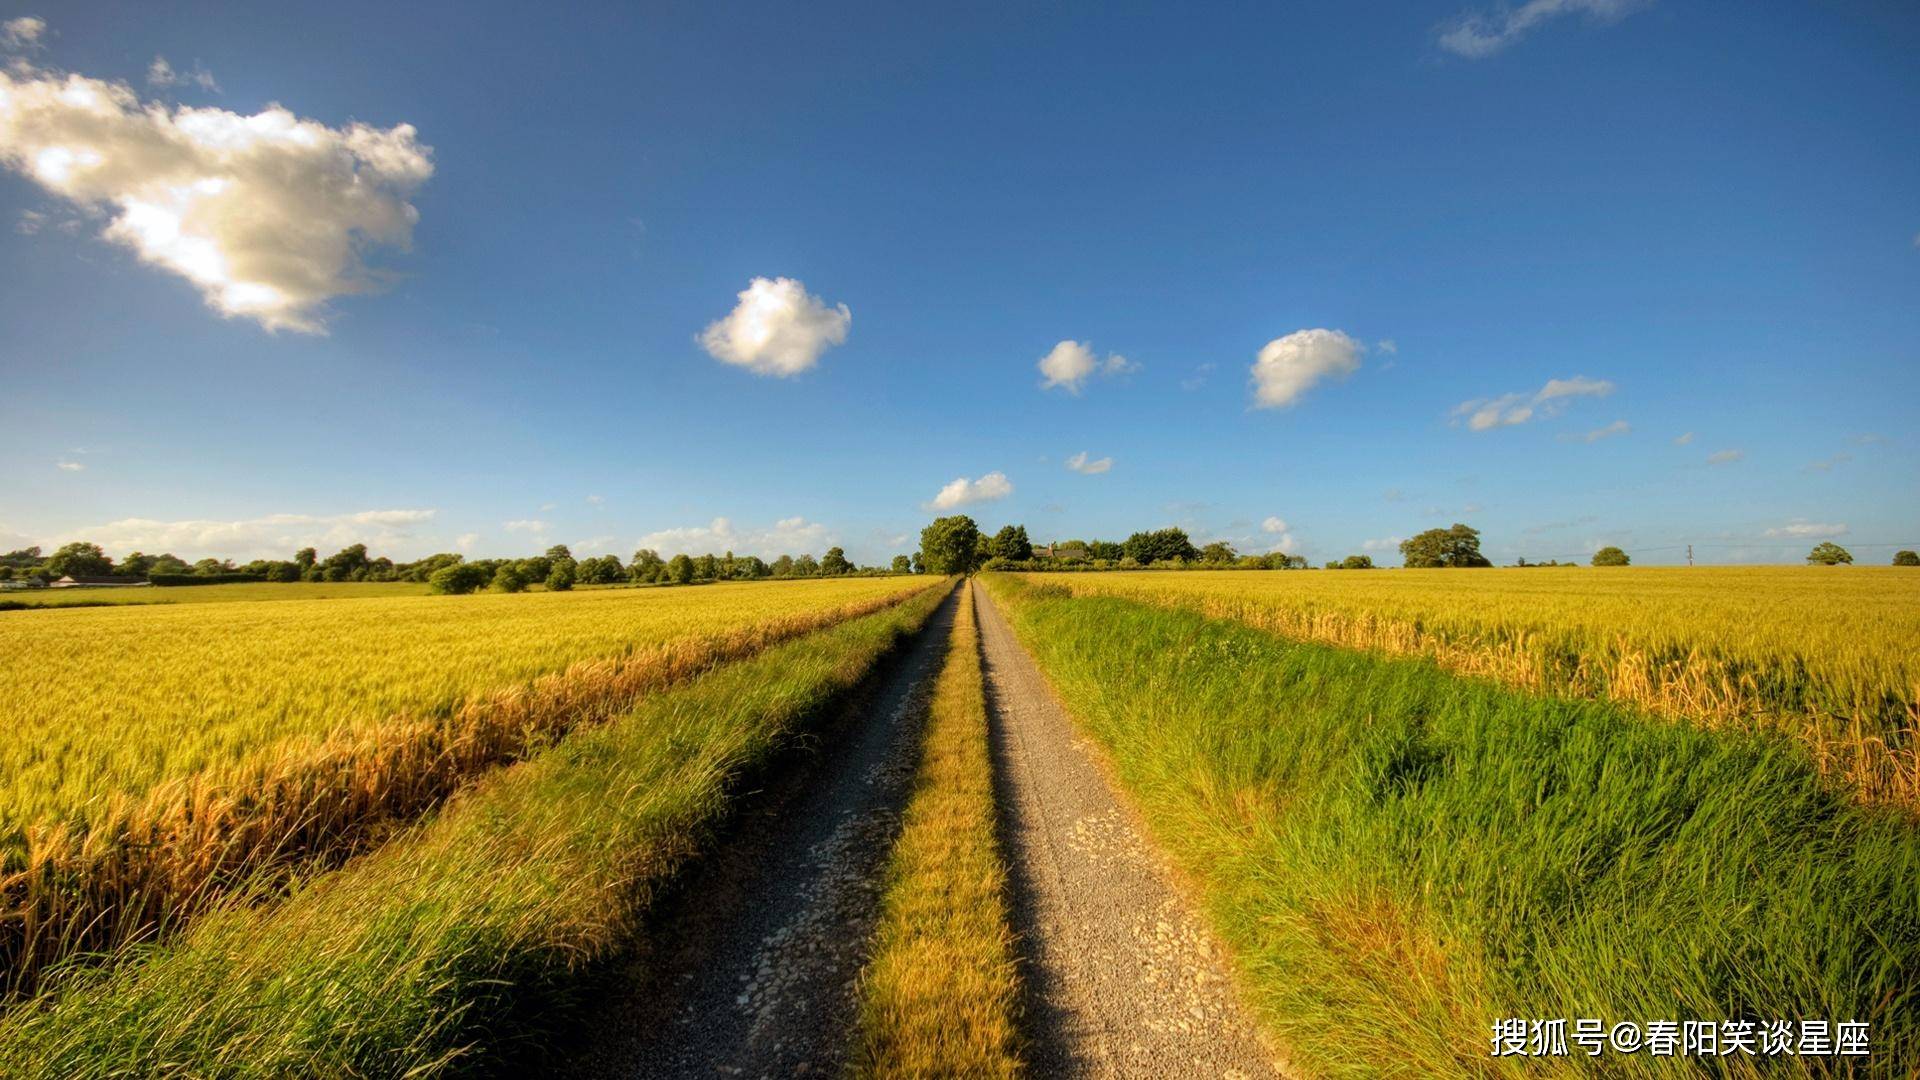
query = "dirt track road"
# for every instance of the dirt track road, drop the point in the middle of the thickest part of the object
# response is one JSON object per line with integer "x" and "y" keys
{"x": 1122, "y": 977}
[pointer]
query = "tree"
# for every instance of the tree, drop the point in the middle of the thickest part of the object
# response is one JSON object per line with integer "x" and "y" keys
{"x": 1161, "y": 545}
{"x": 679, "y": 569}
{"x": 647, "y": 565}
{"x": 457, "y": 579}
{"x": 305, "y": 558}
{"x": 950, "y": 545}
{"x": 1828, "y": 553}
{"x": 706, "y": 568}
{"x": 902, "y": 564}
{"x": 1357, "y": 562}
{"x": 508, "y": 579}
{"x": 1106, "y": 549}
{"x": 80, "y": 559}
{"x": 1011, "y": 543}
{"x": 806, "y": 566}
{"x": 560, "y": 578}
{"x": 1906, "y": 558}
{"x": 1218, "y": 553}
{"x": 1457, "y": 546}
{"x": 834, "y": 563}
{"x": 782, "y": 566}
{"x": 559, "y": 551}
{"x": 919, "y": 563}
{"x": 1610, "y": 556}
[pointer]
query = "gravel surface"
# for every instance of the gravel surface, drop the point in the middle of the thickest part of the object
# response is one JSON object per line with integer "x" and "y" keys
{"x": 756, "y": 970}
{"x": 1123, "y": 979}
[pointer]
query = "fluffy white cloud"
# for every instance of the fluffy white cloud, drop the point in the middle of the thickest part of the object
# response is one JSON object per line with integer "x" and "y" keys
{"x": 1071, "y": 363}
{"x": 1079, "y": 463}
{"x": 962, "y": 491}
{"x": 1384, "y": 543}
{"x": 787, "y": 536}
{"x": 1288, "y": 367}
{"x": 267, "y": 215}
{"x": 1475, "y": 35}
{"x": 23, "y": 32}
{"x": 1725, "y": 457}
{"x": 532, "y": 526}
{"x": 465, "y": 541}
{"x": 1802, "y": 529}
{"x": 1683, "y": 439}
{"x": 1507, "y": 410}
{"x": 1618, "y": 427}
{"x": 1279, "y": 534}
{"x": 777, "y": 328}
{"x": 161, "y": 75}
{"x": 70, "y": 466}
{"x": 273, "y": 536}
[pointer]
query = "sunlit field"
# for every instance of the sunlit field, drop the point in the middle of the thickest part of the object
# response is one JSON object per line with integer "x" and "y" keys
{"x": 1831, "y": 654}
{"x": 206, "y": 594}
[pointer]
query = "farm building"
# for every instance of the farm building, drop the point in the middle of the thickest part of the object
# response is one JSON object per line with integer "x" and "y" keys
{"x": 97, "y": 580}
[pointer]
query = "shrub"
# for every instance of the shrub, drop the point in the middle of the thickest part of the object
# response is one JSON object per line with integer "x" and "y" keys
{"x": 561, "y": 578}
{"x": 1906, "y": 558}
{"x": 1610, "y": 556}
{"x": 456, "y": 580}
{"x": 507, "y": 579}
{"x": 1828, "y": 553}
{"x": 203, "y": 579}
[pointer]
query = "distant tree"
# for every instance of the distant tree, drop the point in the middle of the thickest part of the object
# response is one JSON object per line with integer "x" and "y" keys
{"x": 706, "y": 568}
{"x": 80, "y": 559}
{"x": 782, "y": 566}
{"x": 134, "y": 565}
{"x": 902, "y": 564}
{"x": 507, "y": 579}
{"x": 806, "y": 566}
{"x": 1457, "y": 546}
{"x": 347, "y": 564}
{"x": 305, "y": 558}
{"x": 1610, "y": 556}
{"x": 1011, "y": 542}
{"x": 1161, "y": 545}
{"x": 1218, "y": 553}
{"x": 283, "y": 571}
{"x": 919, "y": 563}
{"x": 1828, "y": 553}
{"x": 1106, "y": 549}
{"x": 834, "y": 563}
{"x": 1357, "y": 562}
{"x": 561, "y": 577}
{"x": 679, "y": 569}
{"x": 559, "y": 551}
{"x": 647, "y": 565}
{"x": 600, "y": 570}
{"x": 753, "y": 567}
{"x": 458, "y": 578}
{"x": 1906, "y": 558}
{"x": 951, "y": 545}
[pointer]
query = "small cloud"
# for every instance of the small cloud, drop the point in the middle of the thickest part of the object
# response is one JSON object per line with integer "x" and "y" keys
{"x": 1869, "y": 438}
{"x": 1388, "y": 346}
{"x": 778, "y": 328}
{"x": 1472, "y": 508}
{"x": 786, "y": 536}
{"x": 1802, "y": 529}
{"x": 1289, "y": 366}
{"x": 533, "y": 526}
{"x": 591, "y": 544}
{"x": 465, "y": 541}
{"x": 1070, "y": 364}
{"x": 963, "y": 491}
{"x": 1683, "y": 439}
{"x": 1279, "y": 534}
{"x": 161, "y": 75}
{"x": 31, "y": 222}
{"x": 1199, "y": 377}
{"x": 595, "y": 500}
{"x": 1828, "y": 463}
{"x": 1384, "y": 543}
{"x": 1618, "y": 427}
{"x": 1394, "y": 495}
{"x": 1476, "y": 35}
{"x": 22, "y": 33}
{"x": 1508, "y": 410}
{"x": 1079, "y": 463}
{"x": 70, "y": 466}
{"x": 1725, "y": 457}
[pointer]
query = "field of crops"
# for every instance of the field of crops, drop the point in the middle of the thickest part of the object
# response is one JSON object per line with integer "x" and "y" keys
{"x": 206, "y": 594}
{"x": 154, "y": 752}
{"x": 1830, "y": 654}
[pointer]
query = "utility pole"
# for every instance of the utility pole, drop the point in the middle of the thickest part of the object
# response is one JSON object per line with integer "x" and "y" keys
{"x": 1689, "y": 554}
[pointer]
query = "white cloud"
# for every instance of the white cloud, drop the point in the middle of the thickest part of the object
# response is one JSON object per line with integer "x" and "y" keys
{"x": 1289, "y": 366}
{"x": 788, "y": 536}
{"x": 531, "y": 526}
{"x": 1684, "y": 439}
{"x": 595, "y": 500}
{"x": 1802, "y": 529}
{"x": 962, "y": 491}
{"x": 1385, "y": 543}
{"x": 1070, "y": 364}
{"x": 1725, "y": 457}
{"x": 272, "y": 536}
{"x": 161, "y": 75}
{"x": 1279, "y": 534}
{"x": 70, "y": 466}
{"x": 23, "y": 32}
{"x": 465, "y": 541}
{"x": 1828, "y": 463}
{"x": 591, "y": 544}
{"x": 1079, "y": 463}
{"x": 1618, "y": 427}
{"x": 31, "y": 222}
{"x": 1199, "y": 377}
{"x": 1476, "y": 35}
{"x": 1388, "y": 346}
{"x": 1507, "y": 410}
{"x": 267, "y": 215}
{"x": 777, "y": 328}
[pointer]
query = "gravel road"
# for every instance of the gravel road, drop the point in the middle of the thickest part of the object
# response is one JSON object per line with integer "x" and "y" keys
{"x": 1122, "y": 977}
{"x": 757, "y": 963}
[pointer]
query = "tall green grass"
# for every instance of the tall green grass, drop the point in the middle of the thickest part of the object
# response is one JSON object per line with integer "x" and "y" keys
{"x": 443, "y": 948}
{"x": 1399, "y": 856}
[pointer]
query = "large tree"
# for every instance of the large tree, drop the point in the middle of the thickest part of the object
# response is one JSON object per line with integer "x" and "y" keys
{"x": 1160, "y": 545}
{"x": 902, "y": 564}
{"x": 80, "y": 559}
{"x": 1610, "y": 556}
{"x": 1457, "y": 546}
{"x": 1906, "y": 558}
{"x": 1011, "y": 543}
{"x": 951, "y": 545}
{"x": 1828, "y": 553}
{"x": 834, "y": 563}
{"x": 1218, "y": 553}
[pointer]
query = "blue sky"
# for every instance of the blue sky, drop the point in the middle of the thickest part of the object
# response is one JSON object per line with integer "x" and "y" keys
{"x": 1698, "y": 224}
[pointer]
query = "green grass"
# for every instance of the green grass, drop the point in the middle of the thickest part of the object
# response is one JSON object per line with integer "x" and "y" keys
{"x": 205, "y": 594}
{"x": 939, "y": 994}
{"x": 1398, "y": 856}
{"x": 443, "y": 948}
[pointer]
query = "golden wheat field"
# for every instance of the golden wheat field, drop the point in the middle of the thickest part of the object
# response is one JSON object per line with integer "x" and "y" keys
{"x": 1829, "y": 653}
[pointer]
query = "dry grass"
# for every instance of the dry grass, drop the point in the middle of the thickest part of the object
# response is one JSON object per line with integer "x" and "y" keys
{"x": 140, "y": 865}
{"x": 939, "y": 994}
{"x": 1831, "y": 656}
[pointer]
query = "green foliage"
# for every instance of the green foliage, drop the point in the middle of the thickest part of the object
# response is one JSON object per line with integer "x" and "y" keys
{"x": 1162, "y": 545}
{"x": 560, "y": 578}
{"x": 679, "y": 569}
{"x": 1906, "y": 558}
{"x": 458, "y": 579}
{"x": 647, "y": 565}
{"x": 601, "y": 570}
{"x": 1610, "y": 556}
{"x": 1218, "y": 553}
{"x": 834, "y": 563}
{"x": 203, "y": 579}
{"x": 1011, "y": 543}
{"x": 902, "y": 564}
{"x": 1457, "y": 546}
{"x": 559, "y": 551}
{"x": 1828, "y": 553}
{"x": 507, "y": 579}
{"x": 79, "y": 559}
{"x": 806, "y": 566}
{"x": 951, "y": 545}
